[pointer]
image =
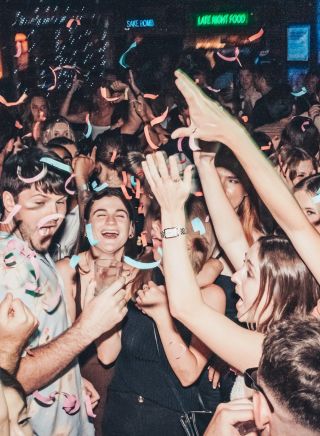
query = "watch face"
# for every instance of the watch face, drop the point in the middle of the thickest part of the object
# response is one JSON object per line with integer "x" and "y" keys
{"x": 171, "y": 232}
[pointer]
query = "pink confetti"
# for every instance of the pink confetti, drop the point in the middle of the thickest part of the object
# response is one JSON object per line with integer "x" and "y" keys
{"x": 256, "y": 35}
{"x": 34, "y": 179}
{"x": 207, "y": 219}
{"x": 160, "y": 118}
{"x": 14, "y": 211}
{"x": 45, "y": 400}
{"x": 48, "y": 218}
{"x": 179, "y": 144}
{"x": 198, "y": 194}
{"x": 89, "y": 407}
{"x": 148, "y": 138}
{"x": 15, "y": 103}
{"x": 151, "y": 96}
{"x": 69, "y": 191}
{"x": 71, "y": 21}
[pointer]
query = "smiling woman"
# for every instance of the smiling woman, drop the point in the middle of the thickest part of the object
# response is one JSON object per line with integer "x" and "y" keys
{"x": 111, "y": 220}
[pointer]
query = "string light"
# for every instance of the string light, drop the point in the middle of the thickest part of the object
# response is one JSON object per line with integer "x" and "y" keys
{"x": 52, "y": 43}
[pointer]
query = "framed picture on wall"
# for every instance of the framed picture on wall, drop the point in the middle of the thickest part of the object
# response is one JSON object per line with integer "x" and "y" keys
{"x": 298, "y": 42}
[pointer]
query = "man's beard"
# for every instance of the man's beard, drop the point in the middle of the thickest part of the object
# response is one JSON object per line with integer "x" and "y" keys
{"x": 26, "y": 236}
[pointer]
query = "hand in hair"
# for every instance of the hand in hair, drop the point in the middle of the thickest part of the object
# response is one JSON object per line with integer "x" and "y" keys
{"x": 169, "y": 189}
{"x": 17, "y": 324}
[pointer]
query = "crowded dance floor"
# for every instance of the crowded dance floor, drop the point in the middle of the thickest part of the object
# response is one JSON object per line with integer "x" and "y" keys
{"x": 160, "y": 218}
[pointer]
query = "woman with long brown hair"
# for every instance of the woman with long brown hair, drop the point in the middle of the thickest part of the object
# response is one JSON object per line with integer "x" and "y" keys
{"x": 272, "y": 282}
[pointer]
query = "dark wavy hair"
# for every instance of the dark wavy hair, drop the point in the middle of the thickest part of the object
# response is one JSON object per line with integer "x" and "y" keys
{"x": 285, "y": 280}
{"x": 290, "y": 367}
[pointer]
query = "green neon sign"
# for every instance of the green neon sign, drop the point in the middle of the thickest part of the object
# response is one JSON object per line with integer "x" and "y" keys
{"x": 222, "y": 19}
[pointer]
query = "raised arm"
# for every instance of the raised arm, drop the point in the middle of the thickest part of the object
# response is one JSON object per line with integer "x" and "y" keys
{"x": 239, "y": 347}
{"x": 64, "y": 110}
{"x": 210, "y": 122}
{"x": 226, "y": 223}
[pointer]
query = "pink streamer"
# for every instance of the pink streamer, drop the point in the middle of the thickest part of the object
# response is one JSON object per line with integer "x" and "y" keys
{"x": 69, "y": 191}
{"x": 71, "y": 21}
{"x": 51, "y": 304}
{"x": 256, "y": 35}
{"x": 231, "y": 58}
{"x": 48, "y": 218}
{"x": 14, "y": 211}
{"x": 148, "y": 138}
{"x": 89, "y": 407}
{"x": 34, "y": 179}
{"x": 71, "y": 404}
{"x": 179, "y": 144}
{"x": 304, "y": 124}
{"x": 160, "y": 118}
{"x": 125, "y": 192}
{"x": 45, "y": 400}
{"x": 151, "y": 96}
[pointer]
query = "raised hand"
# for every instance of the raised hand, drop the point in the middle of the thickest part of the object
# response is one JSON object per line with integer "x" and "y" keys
{"x": 209, "y": 121}
{"x": 105, "y": 311}
{"x": 169, "y": 189}
{"x": 152, "y": 301}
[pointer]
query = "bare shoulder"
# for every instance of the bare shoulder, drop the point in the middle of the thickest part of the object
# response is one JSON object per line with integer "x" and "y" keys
{"x": 215, "y": 297}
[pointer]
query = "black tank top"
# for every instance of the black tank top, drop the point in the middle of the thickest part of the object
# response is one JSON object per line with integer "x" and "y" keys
{"x": 140, "y": 369}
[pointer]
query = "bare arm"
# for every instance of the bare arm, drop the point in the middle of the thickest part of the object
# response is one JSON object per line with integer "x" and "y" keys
{"x": 43, "y": 364}
{"x": 213, "y": 123}
{"x": 48, "y": 361}
{"x": 187, "y": 361}
{"x": 239, "y": 347}
{"x": 109, "y": 346}
{"x": 64, "y": 110}
{"x": 231, "y": 236}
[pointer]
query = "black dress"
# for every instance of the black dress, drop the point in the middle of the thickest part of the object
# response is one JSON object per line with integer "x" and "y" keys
{"x": 140, "y": 400}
